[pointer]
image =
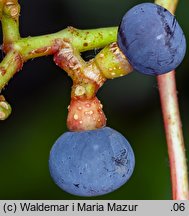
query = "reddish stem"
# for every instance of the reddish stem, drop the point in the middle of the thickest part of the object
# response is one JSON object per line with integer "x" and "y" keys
{"x": 174, "y": 135}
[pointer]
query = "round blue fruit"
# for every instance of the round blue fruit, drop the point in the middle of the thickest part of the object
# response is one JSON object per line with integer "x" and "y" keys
{"x": 91, "y": 163}
{"x": 151, "y": 39}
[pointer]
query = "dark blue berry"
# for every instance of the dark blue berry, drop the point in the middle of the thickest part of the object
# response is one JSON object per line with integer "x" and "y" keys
{"x": 91, "y": 163}
{"x": 151, "y": 39}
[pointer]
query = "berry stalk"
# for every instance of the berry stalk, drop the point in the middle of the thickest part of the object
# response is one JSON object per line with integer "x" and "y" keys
{"x": 85, "y": 110}
{"x": 173, "y": 126}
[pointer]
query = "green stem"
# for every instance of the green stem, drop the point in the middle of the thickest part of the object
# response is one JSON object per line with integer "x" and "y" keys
{"x": 9, "y": 66}
{"x": 82, "y": 40}
{"x": 2, "y": 2}
{"x": 32, "y": 47}
{"x": 10, "y": 22}
{"x": 10, "y": 30}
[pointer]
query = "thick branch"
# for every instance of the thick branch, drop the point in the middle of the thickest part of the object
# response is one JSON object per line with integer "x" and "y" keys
{"x": 82, "y": 40}
{"x": 32, "y": 47}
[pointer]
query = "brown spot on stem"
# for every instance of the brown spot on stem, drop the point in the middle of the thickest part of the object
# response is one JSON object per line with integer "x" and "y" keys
{"x": 85, "y": 44}
{"x": 7, "y": 46}
{"x": 43, "y": 50}
{"x": 57, "y": 44}
{"x": 73, "y": 30}
{"x": 2, "y": 98}
{"x": 100, "y": 35}
{"x": 67, "y": 59}
{"x": 2, "y": 71}
{"x": 19, "y": 60}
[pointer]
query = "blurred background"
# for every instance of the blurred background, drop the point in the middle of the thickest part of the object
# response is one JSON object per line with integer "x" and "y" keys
{"x": 40, "y": 94}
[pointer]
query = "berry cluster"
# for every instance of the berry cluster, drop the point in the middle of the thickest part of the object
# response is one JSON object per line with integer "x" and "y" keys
{"x": 97, "y": 162}
{"x": 92, "y": 159}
